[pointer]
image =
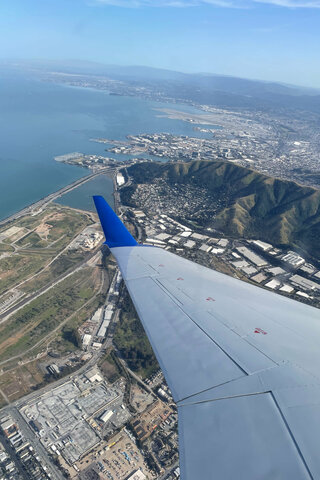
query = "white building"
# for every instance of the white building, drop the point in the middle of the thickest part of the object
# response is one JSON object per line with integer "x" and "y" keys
{"x": 217, "y": 251}
{"x": 308, "y": 268}
{"x": 162, "y": 236}
{"x": 286, "y": 288}
{"x": 186, "y": 234}
{"x": 276, "y": 270}
{"x": 263, "y": 245}
{"x": 189, "y": 244}
{"x": 86, "y": 339}
{"x": 303, "y": 294}
{"x": 137, "y": 475}
{"x": 106, "y": 416}
{"x": 304, "y": 283}
{"x": 198, "y": 236}
{"x": 249, "y": 270}
{"x": 205, "y": 248}
{"x": 253, "y": 257}
{"x": 97, "y": 315}
{"x": 120, "y": 179}
{"x": 273, "y": 284}
{"x": 240, "y": 264}
{"x": 293, "y": 259}
{"x": 260, "y": 277}
{"x": 223, "y": 242}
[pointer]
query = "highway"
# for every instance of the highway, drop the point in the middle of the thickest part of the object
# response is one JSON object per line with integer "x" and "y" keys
{"x": 13, "y": 408}
{"x": 93, "y": 361}
{"x": 4, "y": 316}
{"x": 35, "y": 442}
{"x": 52, "y": 332}
{"x": 53, "y": 196}
{"x": 4, "y": 440}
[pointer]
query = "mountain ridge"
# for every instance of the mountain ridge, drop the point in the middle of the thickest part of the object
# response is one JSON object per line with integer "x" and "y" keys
{"x": 256, "y": 205}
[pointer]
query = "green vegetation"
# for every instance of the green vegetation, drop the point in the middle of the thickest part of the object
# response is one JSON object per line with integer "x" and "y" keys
{"x": 6, "y": 248}
{"x": 132, "y": 342}
{"x": 3, "y": 403}
{"x": 39, "y": 318}
{"x": 16, "y": 267}
{"x": 252, "y": 205}
{"x": 60, "y": 266}
{"x": 30, "y": 221}
{"x": 53, "y": 230}
{"x": 109, "y": 366}
{"x": 67, "y": 338}
{"x": 32, "y": 239}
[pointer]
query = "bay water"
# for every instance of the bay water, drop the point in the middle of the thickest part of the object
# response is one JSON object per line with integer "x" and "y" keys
{"x": 40, "y": 120}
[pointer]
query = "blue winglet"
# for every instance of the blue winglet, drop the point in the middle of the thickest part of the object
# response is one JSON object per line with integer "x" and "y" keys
{"x": 115, "y": 232}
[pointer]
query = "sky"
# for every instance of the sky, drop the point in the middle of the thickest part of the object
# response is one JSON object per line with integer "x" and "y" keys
{"x": 263, "y": 39}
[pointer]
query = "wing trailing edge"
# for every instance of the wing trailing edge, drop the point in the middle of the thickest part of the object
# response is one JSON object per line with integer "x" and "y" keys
{"x": 248, "y": 403}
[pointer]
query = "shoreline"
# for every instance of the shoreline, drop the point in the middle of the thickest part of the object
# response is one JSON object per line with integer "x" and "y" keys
{"x": 52, "y": 196}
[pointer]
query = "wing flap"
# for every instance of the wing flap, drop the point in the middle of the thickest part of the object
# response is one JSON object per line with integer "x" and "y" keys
{"x": 243, "y": 438}
{"x": 241, "y": 362}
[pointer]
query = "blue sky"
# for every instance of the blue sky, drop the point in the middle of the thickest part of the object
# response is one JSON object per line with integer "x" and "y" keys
{"x": 269, "y": 40}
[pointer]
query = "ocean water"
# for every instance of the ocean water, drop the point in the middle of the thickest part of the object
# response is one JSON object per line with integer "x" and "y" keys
{"x": 40, "y": 120}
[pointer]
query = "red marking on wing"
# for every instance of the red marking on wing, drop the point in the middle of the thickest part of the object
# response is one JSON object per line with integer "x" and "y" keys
{"x": 259, "y": 330}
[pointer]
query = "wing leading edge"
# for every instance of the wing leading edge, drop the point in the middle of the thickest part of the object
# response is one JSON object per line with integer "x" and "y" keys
{"x": 242, "y": 364}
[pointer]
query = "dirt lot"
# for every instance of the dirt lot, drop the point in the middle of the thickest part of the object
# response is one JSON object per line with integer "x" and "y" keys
{"x": 36, "y": 241}
{"x": 19, "y": 382}
{"x": 118, "y": 457}
{"x": 139, "y": 398}
{"x": 146, "y": 423}
{"x": 108, "y": 367}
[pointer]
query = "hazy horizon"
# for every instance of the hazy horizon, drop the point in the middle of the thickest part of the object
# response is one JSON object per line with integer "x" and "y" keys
{"x": 267, "y": 40}
{"x": 76, "y": 63}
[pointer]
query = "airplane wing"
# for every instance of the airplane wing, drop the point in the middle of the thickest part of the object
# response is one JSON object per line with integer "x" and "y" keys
{"x": 242, "y": 363}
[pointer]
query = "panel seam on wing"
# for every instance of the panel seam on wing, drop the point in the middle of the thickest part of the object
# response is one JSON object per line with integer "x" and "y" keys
{"x": 227, "y": 397}
{"x": 200, "y": 328}
{"x": 291, "y": 433}
{"x": 219, "y": 319}
{"x": 180, "y": 305}
{"x": 211, "y": 388}
{"x": 267, "y": 392}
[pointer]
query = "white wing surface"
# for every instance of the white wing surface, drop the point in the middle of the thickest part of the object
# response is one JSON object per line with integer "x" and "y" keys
{"x": 243, "y": 364}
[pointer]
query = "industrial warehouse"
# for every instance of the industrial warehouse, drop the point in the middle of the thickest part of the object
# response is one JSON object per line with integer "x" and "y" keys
{"x": 65, "y": 418}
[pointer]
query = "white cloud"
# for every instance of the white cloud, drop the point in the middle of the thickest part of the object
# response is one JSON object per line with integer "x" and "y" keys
{"x": 165, "y": 3}
{"x": 292, "y": 3}
{"x": 217, "y": 3}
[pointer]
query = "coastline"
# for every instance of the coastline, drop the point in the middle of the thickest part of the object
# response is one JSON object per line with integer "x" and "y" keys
{"x": 54, "y": 195}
